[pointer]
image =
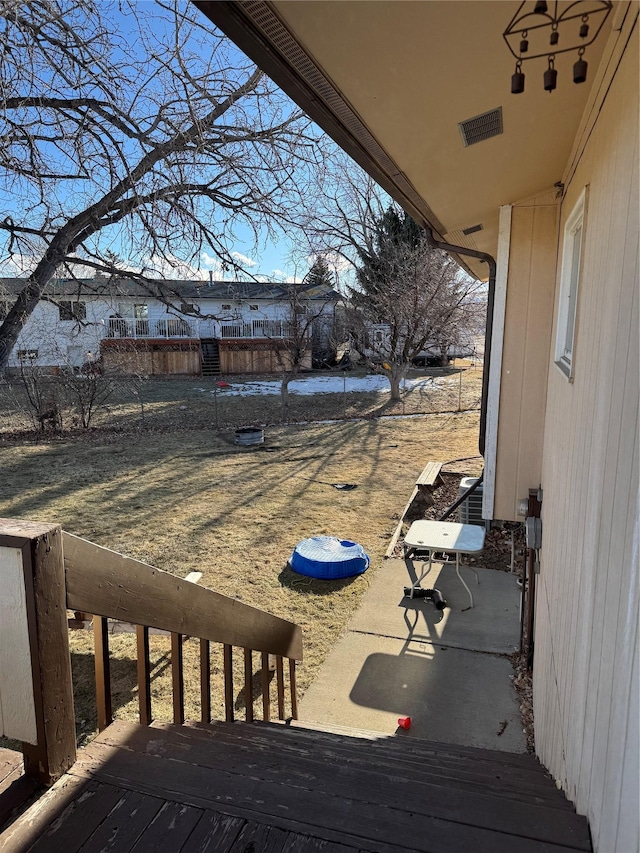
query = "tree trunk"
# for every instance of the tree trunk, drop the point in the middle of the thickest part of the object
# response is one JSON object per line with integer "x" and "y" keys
{"x": 284, "y": 395}
{"x": 29, "y": 296}
{"x": 395, "y": 377}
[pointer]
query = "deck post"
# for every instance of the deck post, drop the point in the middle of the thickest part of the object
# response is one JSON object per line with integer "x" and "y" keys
{"x": 35, "y": 665}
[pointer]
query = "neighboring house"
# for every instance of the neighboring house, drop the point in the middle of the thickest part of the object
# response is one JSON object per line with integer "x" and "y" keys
{"x": 197, "y": 327}
{"x": 377, "y": 347}
{"x": 545, "y": 182}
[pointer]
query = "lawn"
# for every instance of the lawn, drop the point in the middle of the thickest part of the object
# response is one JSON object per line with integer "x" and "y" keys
{"x": 199, "y": 403}
{"x": 190, "y": 500}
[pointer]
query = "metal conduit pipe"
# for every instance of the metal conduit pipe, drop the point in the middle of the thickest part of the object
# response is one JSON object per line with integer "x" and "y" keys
{"x": 462, "y": 498}
{"x": 490, "y": 261}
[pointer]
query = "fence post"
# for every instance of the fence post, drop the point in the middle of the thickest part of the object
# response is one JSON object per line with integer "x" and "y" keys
{"x": 35, "y": 665}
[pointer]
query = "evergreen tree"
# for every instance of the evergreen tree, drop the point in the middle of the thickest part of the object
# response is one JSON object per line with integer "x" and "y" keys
{"x": 408, "y": 297}
{"x": 320, "y": 274}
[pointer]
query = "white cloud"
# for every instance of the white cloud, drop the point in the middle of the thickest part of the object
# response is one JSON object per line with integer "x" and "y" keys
{"x": 244, "y": 260}
{"x": 281, "y": 276}
{"x": 170, "y": 268}
{"x": 17, "y": 265}
{"x": 336, "y": 262}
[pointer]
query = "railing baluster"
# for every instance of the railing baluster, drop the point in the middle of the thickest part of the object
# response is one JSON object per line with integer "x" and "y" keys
{"x": 292, "y": 687}
{"x": 248, "y": 684}
{"x": 177, "y": 678}
{"x": 144, "y": 675}
{"x": 205, "y": 681}
{"x": 103, "y": 672}
{"x": 266, "y": 698}
{"x": 280, "y": 683}
{"x": 228, "y": 683}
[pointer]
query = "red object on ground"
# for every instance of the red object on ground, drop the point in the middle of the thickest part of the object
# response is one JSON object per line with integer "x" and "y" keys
{"x": 223, "y": 384}
{"x": 404, "y": 722}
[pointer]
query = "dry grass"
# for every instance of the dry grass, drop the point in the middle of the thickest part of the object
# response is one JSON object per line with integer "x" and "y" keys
{"x": 189, "y": 500}
{"x": 191, "y": 404}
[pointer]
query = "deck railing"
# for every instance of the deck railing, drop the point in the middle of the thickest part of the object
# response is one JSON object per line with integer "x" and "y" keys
{"x": 169, "y": 327}
{"x": 62, "y": 572}
{"x": 95, "y": 580}
{"x": 257, "y": 329}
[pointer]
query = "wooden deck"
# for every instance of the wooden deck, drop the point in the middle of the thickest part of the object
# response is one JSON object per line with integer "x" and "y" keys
{"x": 15, "y": 787}
{"x": 269, "y": 788}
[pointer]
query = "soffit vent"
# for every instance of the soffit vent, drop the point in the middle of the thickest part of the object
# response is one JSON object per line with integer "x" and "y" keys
{"x": 481, "y": 127}
{"x": 471, "y": 230}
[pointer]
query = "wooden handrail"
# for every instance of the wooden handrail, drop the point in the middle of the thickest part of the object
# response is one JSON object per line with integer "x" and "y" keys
{"x": 110, "y": 585}
{"x": 105, "y": 583}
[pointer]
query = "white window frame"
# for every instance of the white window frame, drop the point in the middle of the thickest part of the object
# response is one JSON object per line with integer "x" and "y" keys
{"x": 571, "y": 272}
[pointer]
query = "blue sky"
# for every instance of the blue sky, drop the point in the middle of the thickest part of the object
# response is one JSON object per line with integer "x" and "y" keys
{"x": 269, "y": 258}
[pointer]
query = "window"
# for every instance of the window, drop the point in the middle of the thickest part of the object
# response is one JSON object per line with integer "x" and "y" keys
{"x": 253, "y": 307}
{"x": 569, "y": 284}
{"x": 27, "y": 354}
{"x": 187, "y": 308}
{"x": 70, "y": 310}
{"x": 226, "y": 307}
{"x": 138, "y": 311}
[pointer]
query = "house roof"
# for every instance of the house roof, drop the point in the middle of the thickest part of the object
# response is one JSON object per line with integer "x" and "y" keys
{"x": 184, "y": 290}
{"x": 391, "y": 80}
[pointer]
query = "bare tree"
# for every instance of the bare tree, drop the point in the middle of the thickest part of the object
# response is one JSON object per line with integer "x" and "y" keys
{"x": 408, "y": 298}
{"x": 403, "y": 296}
{"x": 336, "y": 220}
{"x": 306, "y": 314}
{"x": 133, "y": 135}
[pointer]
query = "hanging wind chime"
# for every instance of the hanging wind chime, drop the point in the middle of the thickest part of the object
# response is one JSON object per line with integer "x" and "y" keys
{"x": 539, "y": 30}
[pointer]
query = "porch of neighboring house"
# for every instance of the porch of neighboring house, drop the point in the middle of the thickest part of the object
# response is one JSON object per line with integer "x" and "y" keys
{"x": 149, "y": 356}
{"x": 228, "y": 785}
{"x": 173, "y": 347}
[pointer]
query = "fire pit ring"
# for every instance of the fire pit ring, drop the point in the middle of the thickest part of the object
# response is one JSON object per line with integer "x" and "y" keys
{"x": 249, "y": 436}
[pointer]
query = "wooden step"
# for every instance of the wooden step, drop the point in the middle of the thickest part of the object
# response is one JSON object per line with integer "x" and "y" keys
{"x": 418, "y": 747}
{"x": 273, "y": 789}
{"x": 209, "y": 769}
{"x": 499, "y": 780}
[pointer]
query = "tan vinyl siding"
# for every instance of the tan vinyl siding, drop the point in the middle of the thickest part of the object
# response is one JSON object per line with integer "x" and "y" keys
{"x": 525, "y": 352}
{"x": 586, "y": 655}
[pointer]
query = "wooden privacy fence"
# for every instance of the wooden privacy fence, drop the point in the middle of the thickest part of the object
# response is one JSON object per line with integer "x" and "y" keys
{"x": 112, "y": 586}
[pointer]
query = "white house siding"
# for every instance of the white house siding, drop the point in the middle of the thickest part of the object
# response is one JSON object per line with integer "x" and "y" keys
{"x": 586, "y": 652}
{"x": 61, "y": 342}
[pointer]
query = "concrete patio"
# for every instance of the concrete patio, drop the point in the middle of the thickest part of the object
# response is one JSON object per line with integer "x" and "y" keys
{"x": 447, "y": 670}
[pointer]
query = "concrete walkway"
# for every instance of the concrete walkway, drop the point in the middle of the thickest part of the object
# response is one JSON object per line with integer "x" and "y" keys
{"x": 447, "y": 670}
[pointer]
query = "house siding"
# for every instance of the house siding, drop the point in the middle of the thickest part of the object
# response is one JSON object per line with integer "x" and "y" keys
{"x": 525, "y": 351}
{"x": 62, "y": 344}
{"x": 586, "y": 651}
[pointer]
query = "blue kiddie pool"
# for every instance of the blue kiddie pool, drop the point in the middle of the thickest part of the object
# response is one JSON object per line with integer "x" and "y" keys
{"x": 328, "y": 558}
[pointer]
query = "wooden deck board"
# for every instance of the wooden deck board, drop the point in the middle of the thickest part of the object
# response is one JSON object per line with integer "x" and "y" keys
{"x": 91, "y": 804}
{"x": 10, "y": 761}
{"x": 124, "y": 824}
{"x": 184, "y": 790}
{"x": 169, "y": 830}
{"x": 466, "y": 804}
{"x": 421, "y": 764}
